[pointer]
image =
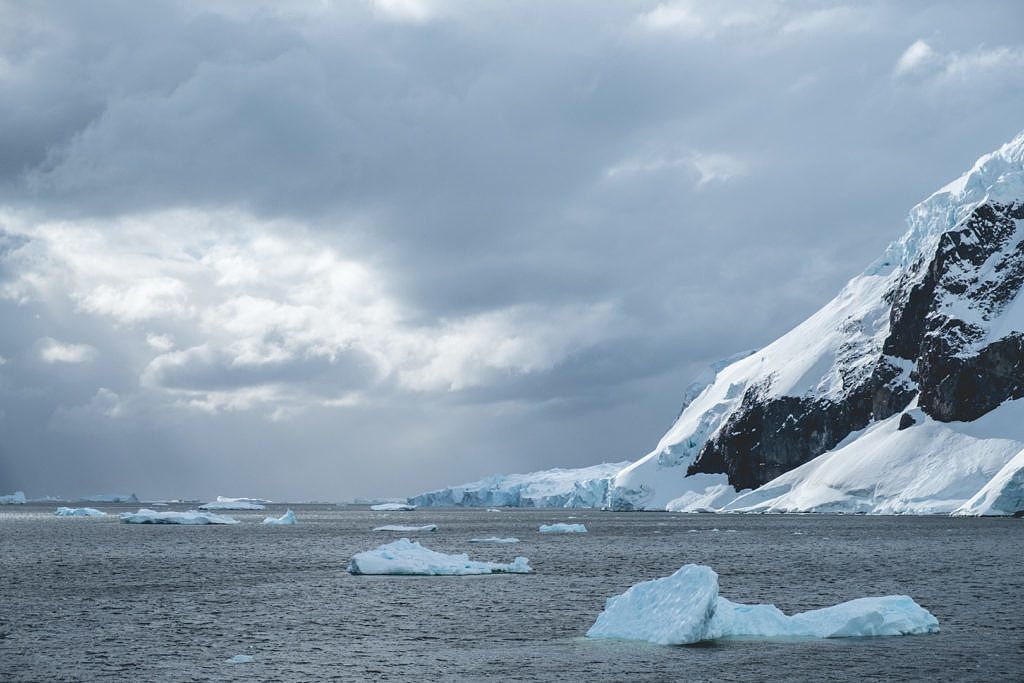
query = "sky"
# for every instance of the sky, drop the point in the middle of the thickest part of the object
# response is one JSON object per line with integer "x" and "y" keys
{"x": 324, "y": 250}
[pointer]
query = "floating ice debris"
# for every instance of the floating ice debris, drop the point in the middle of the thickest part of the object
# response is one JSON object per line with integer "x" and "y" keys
{"x": 686, "y": 608}
{"x": 79, "y": 512}
{"x": 239, "y": 659}
{"x": 145, "y": 516}
{"x": 410, "y": 558}
{"x": 494, "y": 510}
{"x": 223, "y": 503}
{"x": 561, "y": 528}
{"x": 112, "y": 498}
{"x": 494, "y": 539}
{"x": 286, "y": 519}
{"x": 392, "y": 507}
{"x": 16, "y": 498}
{"x": 402, "y": 527}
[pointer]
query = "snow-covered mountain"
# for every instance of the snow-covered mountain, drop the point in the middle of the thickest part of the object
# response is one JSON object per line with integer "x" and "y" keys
{"x": 899, "y": 395}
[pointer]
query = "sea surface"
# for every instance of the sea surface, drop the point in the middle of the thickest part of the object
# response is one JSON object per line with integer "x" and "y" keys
{"x": 94, "y": 599}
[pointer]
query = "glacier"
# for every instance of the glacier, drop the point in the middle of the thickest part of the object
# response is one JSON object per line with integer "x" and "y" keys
{"x": 79, "y": 512}
{"x": 191, "y": 517}
{"x": 584, "y": 487}
{"x": 562, "y": 528}
{"x": 686, "y": 608}
{"x": 287, "y": 519}
{"x": 409, "y": 558}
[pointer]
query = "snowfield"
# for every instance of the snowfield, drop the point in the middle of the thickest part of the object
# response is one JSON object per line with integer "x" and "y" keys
{"x": 145, "y": 516}
{"x": 405, "y": 557}
{"x": 685, "y": 608}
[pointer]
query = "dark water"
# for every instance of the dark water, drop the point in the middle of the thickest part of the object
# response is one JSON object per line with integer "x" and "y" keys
{"x": 87, "y": 599}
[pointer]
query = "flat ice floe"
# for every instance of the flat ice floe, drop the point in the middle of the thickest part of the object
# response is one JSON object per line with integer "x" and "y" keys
{"x": 561, "y": 528}
{"x": 145, "y": 516}
{"x": 287, "y": 519}
{"x": 392, "y": 507}
{"x": 223, "y": 503}
{"x": 79, "y": 512}
{"x": 405, "y": 557}
{"x": 494, "y": 539}
{"x": 686, "y": 608}
{"x": 404, "y": 528}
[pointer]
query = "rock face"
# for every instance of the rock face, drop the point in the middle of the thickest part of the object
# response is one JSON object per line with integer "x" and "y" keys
{"x": 936, "y": 320}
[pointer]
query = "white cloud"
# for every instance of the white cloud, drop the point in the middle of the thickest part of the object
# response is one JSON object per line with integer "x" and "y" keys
{"x": 677, "y": 17}
{"x": 160, "y": 342}
{"x": 52, "y": 351}
{"x": 922, "y": 61}
{"x": 416, "y": 11}
{"x": 706, "y": 166}
{"x": 3, "y": 361}
{"x": 918, "y": 56}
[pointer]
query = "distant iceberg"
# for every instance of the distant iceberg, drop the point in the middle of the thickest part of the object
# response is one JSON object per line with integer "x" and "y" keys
{"x": 686, "y": 608}
{"x": 145, "y": 516}
{"x": 561, "y": 528}
{"x": 393, "y": 507}
{"x": 16, "y": 498}
{"x": 404, "y": 528}
{"x": 585, "y": 487}
{"x": 112, "y": 498}
{"x": 287, "y": 519}
{"x": 79, "y": 512}
{"x": 494, "y": 539}
{"x": 405, "y": 557}
{"x": 223, "y": 503}
{"x": 239, "y": 659}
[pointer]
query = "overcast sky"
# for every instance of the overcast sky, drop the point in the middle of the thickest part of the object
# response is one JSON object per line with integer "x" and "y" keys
{"x": 336, "y": 249}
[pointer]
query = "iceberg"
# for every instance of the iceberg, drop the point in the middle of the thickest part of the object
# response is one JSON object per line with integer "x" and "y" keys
{"x": 404, "y": 528}
{"x": 239, "y": 659}
{"x": 112, "y": 498}
{"x": 405, "y": 557}
{"x": 494, "y": 539}
{"x": 16, "y": 498}
{"x": 79, "y": 512}
{"x": 561, "y": 528}
{"x": 686, "y": 608}
{"x": 287, "y": 519}
{"x": 584, "y": 487}
{"x": 145, "y": 516}
{"x": 223, "y": 503}
{"x": 393, "y": 507}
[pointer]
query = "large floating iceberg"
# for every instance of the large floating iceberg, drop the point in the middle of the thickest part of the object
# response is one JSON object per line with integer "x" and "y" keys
{"x": 287, "y": 519}
{"x": 79, "y": 512}
{"x": 406, "y": 529}
{"x": 393, "y": 507}
{"x": 686, "y": 608}
{"x": 145, "y": 516}
{"x": 585, "y": 487}
{"x": 405, "y": 557}
{"x": 16, "y": 498}
{"x": 562, "y": 528}
{"x": 112, "y": 498}
{"x": 223, "y": 503}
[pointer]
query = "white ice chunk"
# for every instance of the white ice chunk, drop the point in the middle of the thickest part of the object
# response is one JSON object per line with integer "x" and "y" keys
{"x": 393, "y": 507}
{"x": 561, "y": 528}
{"x": 239, "y": 659}
{"x": 223, "y": 503}
{"x": 112, "y": 498}
{"x": 145, "y": 516}
{"x": 494, "y": 539}
{"x": 686, "y": 608}
{"x": 407, "y": 557}
{"x": 16, "y": 498}
{"x": 404, "y": 528}
{"x": 79, "y": 512}
{"x": 288, "y": 518}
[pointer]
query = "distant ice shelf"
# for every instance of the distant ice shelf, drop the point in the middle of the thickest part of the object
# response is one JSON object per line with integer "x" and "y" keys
{"x": 685, "y": 608}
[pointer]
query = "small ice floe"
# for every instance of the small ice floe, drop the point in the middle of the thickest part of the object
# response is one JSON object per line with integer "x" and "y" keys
{"x": 145, "y": 516}
{"x": 686, "y": 608}
{"x": 392, "y": 507}
{"x": 16, "y": 498}
{"x": 405, "y": 557}
{"x": 494, "y": 510}
{"x": 561, "y": 528}
{"x": 404, "y": 528}
{"x": 239, "y": 659}
{"x": 223, "y": 503}
{"x": 494, "y": 539}
{"x": 288, "y": 518}
{"x": 79, "y": 512}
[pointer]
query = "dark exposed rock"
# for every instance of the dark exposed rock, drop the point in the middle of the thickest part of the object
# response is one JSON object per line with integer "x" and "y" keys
{"x": 906, "y": 421}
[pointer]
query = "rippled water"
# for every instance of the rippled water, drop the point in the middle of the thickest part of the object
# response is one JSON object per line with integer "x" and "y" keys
{"x": 87, "y": 599}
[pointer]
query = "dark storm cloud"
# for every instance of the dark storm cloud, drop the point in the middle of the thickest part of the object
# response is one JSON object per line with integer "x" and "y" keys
{"x": 566, "y": 209}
